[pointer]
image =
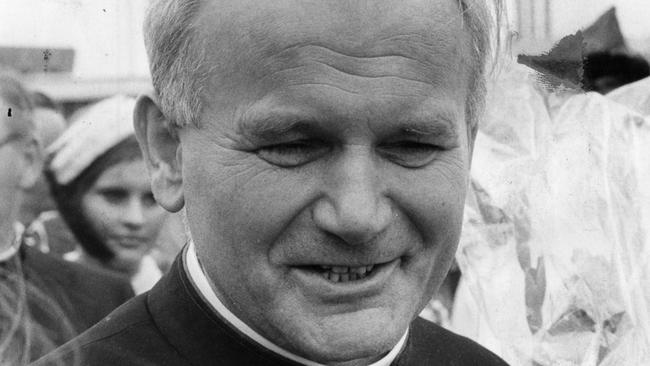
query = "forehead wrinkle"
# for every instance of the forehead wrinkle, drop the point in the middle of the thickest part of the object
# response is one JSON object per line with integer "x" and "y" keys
{"x": 319, "y": 74}
{"x": 388, "y": 64}
{"x": 378, "y": 93}
{"x": 351, "y": 27}
{"x": 270, "y": 54}
{"x": 416, "y": 53}
{"x": 261, "y": 32}
{"x": 247, "y": 39}
{"x": 428, "y": 47}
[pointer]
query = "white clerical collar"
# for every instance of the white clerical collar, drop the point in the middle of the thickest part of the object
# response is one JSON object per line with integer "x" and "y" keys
{"x": 10, "y": 251}
{"x": 202, "y": 284}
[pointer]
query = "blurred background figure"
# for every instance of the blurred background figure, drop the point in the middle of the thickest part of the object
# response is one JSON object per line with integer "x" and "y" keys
{"x": 44, "y": 301}
{"x": 48, "y": 118}
{"x": 49, "y": 123}
{"x": 38, "y": 210}
{"x": 100, "y": 184}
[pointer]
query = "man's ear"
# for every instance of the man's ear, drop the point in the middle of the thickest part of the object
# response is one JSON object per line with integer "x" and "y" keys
{"x": 32, "y": 157}
{"x": 161, "y": 149}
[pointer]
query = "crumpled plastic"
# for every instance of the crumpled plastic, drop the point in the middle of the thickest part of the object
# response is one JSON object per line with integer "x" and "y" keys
{"x": 635, "y": 96}
{"x": 555, "y": 250}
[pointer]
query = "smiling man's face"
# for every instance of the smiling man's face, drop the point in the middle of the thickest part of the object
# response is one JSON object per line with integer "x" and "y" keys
{"x": 325, "y": 187}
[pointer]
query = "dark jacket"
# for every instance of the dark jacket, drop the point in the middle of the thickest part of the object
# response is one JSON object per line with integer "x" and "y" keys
{"x": 172, "y": 325}
{"x": 60, "y": 290}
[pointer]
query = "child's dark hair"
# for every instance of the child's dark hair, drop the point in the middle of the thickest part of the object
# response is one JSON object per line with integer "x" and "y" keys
{"x": 68, "y": 197}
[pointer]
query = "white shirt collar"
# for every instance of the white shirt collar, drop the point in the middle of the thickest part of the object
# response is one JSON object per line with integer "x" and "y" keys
{"x": 8, "y": 253}
{"x": 202, "y": 284}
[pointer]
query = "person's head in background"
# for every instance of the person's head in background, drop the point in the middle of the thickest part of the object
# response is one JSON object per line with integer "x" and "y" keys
{"x": 20, "y": 152}
{"x": 100, "y": 184}
{"x": 48, "y": 118}
{"x": 604, "y": 71}
{"x": 49, "y": 124}
{"x": 20, "y": 166}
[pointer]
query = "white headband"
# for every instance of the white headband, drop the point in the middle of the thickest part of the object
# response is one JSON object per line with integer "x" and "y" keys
{"x": 96, "y": 130}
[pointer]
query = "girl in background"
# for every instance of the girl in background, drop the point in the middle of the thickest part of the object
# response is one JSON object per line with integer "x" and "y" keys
{"x": 99, "y": 182}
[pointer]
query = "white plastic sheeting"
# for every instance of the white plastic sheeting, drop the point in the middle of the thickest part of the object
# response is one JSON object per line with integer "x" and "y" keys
{"x": 635, "y": 96}
{"x": 554, "y": 252}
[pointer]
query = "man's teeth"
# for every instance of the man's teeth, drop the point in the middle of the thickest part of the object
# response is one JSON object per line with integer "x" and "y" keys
{"x": 345, "y": 274}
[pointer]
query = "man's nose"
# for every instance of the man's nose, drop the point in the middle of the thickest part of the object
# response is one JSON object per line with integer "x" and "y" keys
{"x": 354, "y": 206}
{"x": 133, "y": 213}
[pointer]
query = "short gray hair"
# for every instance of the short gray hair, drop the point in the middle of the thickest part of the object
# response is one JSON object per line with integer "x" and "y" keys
{"x": 484, "y": 25}
{"x": 179, "y": 74}
{"x": 177, "y": 71}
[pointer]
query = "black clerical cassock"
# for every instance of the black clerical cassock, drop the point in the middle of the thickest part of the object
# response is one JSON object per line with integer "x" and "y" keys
{"x": 173, "y": 324}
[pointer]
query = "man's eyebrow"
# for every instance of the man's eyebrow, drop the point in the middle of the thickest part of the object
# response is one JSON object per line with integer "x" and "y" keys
{"x": 271, "y": 124}
{"x": 439, "y": 125}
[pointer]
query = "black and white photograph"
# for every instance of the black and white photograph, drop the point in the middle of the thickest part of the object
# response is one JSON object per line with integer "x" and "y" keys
{"x": 324, "y": 182}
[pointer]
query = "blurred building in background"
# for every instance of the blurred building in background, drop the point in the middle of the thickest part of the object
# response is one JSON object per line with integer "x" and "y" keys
{"x": 539, "y": 24}
{"x": 76, "y": 51}
{"x": 81, "y": 50}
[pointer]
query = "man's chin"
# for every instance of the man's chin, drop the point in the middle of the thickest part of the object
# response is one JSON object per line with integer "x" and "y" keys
{"x": 355, "y": 338}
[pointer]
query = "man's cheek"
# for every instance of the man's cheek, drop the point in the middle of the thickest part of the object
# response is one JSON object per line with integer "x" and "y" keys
{"x": 434, "y": 218}
{"x": 269, "y": 194}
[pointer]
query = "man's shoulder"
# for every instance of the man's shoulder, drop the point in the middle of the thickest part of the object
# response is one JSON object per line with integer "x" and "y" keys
{"x": 127, "y": 336}
{"x": 430, "y": 344}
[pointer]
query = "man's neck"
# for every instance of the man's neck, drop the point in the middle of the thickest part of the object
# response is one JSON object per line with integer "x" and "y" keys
{"x": 203, "y": 286}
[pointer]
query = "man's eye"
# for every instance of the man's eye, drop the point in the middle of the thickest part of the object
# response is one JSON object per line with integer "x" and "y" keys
{"x": 411, "y": 154}
{"x": 295, "y": 153}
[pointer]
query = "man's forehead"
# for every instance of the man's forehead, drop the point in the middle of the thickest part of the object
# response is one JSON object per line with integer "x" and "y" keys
{"x": 349, "y": 12}
{"x": 249, "y": 30}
